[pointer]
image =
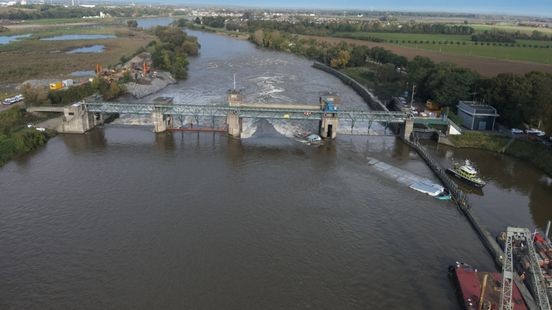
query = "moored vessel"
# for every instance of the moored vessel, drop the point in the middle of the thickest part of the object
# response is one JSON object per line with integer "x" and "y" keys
{"x": 481, "y": 290}
{"x": 467, "y": 173}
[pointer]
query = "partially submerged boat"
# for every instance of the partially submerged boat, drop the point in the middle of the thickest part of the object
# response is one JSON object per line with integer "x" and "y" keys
{"x": 466, "y": 173}
{"x": 310, "y": 139}
{"x": 432, "y": 189}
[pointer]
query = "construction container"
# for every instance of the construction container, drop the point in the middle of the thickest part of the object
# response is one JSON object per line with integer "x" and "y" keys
{"x": 56, "y": 86}
{"x": 67, "y": 83}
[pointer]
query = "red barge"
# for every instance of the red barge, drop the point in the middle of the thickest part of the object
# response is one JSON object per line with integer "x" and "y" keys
{"x": 481, "y": 290}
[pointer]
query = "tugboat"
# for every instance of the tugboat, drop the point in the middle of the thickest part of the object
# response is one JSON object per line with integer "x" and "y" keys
{"x": 467, "y": 173}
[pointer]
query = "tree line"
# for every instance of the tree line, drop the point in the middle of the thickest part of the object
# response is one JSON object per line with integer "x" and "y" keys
{"x": 494, "y": 36}
{"x": 509, "y": 37}
{"x": 15, "y": 138}
{"x": 41, "y": 11}
{"x": 311, "y": 27}
{"x": 172, "y": 51}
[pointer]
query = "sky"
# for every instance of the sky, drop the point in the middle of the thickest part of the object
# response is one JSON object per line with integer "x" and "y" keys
{"x": 513, "y": 7}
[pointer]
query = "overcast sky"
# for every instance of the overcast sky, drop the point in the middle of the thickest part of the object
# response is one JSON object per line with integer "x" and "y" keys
{"x": 517, "y": 7}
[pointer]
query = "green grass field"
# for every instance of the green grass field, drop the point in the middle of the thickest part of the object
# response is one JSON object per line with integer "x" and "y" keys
{"x": 462, "y": 45}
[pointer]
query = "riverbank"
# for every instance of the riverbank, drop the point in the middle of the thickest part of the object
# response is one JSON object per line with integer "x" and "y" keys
{"x": 219, "y": 31}
{"x": 537, "y": 154}
{"x": 16, "y": 139}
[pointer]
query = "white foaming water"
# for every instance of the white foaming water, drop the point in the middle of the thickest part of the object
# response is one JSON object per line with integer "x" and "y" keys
{"x": 133, "y": 120}
{"x": 269, "y": 88}
{"x": 249, "y": 127}
{"x": 287, "y": 129}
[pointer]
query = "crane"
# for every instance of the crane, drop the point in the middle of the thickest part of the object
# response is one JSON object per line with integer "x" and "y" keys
{"x": 524, "y": 237}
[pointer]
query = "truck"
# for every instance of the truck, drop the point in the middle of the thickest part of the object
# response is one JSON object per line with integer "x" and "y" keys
{"x": 56, "y": 85}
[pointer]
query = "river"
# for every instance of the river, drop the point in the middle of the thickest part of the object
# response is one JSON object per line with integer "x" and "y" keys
{"x": 121, "y": 218}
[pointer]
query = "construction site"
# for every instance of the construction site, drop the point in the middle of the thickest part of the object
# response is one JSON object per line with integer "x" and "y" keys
{"x": 138, "y": 76}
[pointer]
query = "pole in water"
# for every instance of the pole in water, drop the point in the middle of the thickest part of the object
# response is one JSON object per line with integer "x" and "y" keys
{"x": 234, "y": 81}
{"x": 547, "y": 230}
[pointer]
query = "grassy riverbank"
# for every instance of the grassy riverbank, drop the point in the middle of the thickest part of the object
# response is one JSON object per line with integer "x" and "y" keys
{"x": 15, "y": 138}
{"x": 538, "y": 154}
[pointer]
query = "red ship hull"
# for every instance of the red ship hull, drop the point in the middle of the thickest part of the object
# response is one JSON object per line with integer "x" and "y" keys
{"x": 469, "y": 282}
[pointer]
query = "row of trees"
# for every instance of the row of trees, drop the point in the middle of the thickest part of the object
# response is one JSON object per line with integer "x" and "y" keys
{"x": 510, "y": 37}
{"x": 41, "y": 95}
{"x": 310, "y": 27}
{"x": 336, "y": 55}
{"x": 307, "y": 26}
{"x": 494, "y": 36}
{"x": 38, "y": 11}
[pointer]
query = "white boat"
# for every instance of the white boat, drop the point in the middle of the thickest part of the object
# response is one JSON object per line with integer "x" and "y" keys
{"x": 313, "y": 138}
{"x": 427, "y": 187}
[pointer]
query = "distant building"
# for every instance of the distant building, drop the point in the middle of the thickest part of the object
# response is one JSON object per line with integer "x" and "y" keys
{"x": 477, "y": 116}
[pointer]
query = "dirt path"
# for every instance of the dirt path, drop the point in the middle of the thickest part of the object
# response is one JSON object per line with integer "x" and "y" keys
{"x": 485, "y": 66}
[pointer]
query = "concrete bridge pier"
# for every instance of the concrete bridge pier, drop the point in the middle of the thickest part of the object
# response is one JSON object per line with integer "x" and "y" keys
{"x": 328, "y": 126}
{"x": 160, "y": 121}
{"x": 234, "y": 122}
{"x": 76, "y": 119}
{"x": 407, "y": 128}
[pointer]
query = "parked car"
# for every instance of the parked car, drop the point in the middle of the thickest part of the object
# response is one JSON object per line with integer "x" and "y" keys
{"x": 516, "y": 131}
{"x": 536, "y": 132}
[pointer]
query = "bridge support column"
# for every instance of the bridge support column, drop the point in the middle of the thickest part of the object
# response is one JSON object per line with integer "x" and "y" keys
{"x": 407, "y": 128}
{"x": 160, "y": 121}
{"x": 76, "y": 119}
{"x": 328, "y": 127}
{"x": 234, "y": 122}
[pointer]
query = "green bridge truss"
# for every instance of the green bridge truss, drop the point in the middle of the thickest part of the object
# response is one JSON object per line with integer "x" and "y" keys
{"x": 292, "y": 113}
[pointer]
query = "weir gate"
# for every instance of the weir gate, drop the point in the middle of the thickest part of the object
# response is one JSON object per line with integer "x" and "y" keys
{"x": 83, "y": 116}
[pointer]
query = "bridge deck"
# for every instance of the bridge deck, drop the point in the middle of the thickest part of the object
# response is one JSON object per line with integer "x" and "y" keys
{"x": 259, "y": 111}
{"x": 305, "y": 107}
{"x": 45, "y": 109}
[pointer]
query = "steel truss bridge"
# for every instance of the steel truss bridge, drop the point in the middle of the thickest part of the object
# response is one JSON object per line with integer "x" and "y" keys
{"x": 243, "y": 111}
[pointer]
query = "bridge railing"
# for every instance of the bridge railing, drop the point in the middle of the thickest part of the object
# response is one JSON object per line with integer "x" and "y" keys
{"x": 290, "y": 112}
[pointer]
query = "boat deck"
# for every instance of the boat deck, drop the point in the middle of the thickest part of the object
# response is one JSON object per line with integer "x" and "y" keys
{"x": 469, "y": 283}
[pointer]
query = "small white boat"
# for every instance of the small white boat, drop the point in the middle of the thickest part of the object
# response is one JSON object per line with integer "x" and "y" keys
{"x": 313, "y": 138}
{"x": 427, "y": 187}
{"x": 310, "y": 139}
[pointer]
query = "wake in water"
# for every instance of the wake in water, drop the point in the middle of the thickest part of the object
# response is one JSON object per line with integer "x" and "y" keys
{"x": 400, "y": 175}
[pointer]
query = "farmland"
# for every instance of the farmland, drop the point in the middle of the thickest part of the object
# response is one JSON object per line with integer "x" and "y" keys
{"x": 523, "y": 50}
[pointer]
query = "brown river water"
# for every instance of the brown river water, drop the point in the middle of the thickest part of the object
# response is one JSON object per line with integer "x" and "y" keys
{"x": 121, "y": 218}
